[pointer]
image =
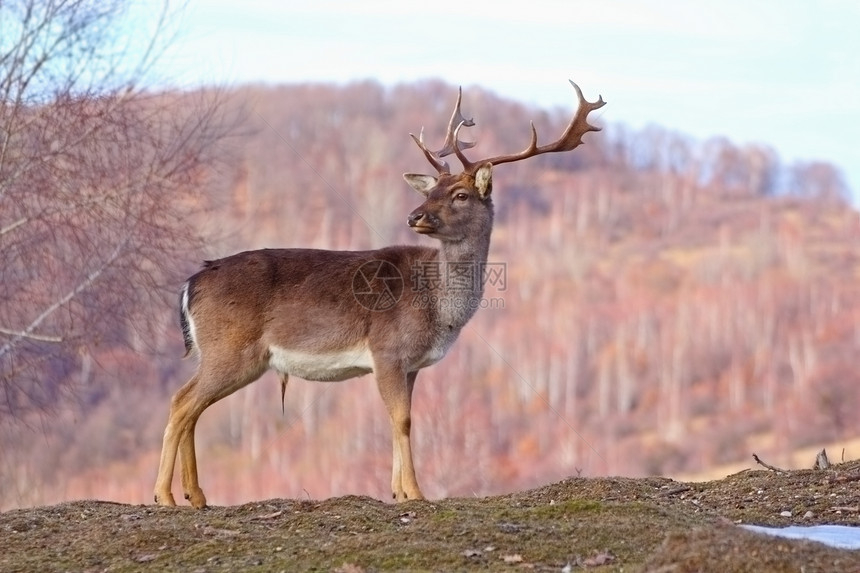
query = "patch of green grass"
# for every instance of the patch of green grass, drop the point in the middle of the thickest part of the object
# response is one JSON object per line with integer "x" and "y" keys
{"x": 566, "y": 507}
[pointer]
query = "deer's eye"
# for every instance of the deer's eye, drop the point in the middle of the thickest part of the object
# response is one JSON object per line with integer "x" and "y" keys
{"x": 461, "y": 196}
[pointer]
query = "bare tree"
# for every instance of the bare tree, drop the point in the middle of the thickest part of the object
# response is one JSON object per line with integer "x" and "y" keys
{"x": 96, "y": 178}
{"x": 817, "y": 180}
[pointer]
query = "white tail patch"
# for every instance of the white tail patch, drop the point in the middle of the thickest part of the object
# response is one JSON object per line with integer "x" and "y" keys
{"x": 186, "y": 321}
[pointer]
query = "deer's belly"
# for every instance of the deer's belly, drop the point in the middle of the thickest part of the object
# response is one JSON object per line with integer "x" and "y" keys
{"x": 322, "y": 367}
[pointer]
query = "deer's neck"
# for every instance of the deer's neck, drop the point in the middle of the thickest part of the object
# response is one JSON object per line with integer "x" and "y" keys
{"x": 461, "y": 267}
{"x": 472, "y": 251}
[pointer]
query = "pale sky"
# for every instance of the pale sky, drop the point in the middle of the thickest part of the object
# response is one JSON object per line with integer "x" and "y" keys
{"x": 785, "y": 73}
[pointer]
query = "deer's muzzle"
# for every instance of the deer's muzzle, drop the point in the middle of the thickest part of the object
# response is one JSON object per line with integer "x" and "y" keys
{"x": 422, "y": 222}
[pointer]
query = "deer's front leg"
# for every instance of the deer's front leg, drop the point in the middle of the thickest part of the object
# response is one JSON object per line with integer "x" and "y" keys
{"x": 395, "y": 387}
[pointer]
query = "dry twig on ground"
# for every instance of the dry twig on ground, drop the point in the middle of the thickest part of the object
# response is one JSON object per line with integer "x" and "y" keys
{"x": 768, "y": 466}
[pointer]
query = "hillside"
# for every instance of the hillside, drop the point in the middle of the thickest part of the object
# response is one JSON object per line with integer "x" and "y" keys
{"x": 599, "y": 524}
{"x": 665, "y": 306}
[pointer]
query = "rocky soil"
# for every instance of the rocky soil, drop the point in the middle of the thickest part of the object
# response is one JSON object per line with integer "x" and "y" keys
{"x": 597, "y": 524}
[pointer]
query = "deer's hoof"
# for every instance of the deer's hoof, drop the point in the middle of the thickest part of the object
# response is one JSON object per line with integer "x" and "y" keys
{"x": 165, "y": 499}
{"x": 403, "y": 496}
{"x": 197, "y": 499}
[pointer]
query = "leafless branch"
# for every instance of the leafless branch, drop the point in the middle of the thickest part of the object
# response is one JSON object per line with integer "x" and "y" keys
{"x": 31, "y": 335}
{"x": 97, "y": 180}
{"x": 675, "y": 491}
{"x": 14, "y": 225}
{"x": 846, "y": 479}
{"x": 63, "y": 300}
{"x": 768, "y": 466}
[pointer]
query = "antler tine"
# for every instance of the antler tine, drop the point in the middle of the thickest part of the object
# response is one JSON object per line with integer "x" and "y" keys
{"x": 452, "y": 144}
{"x": 467, "y": 165}
{"x": 572, "y": 136}
{"x": 440, "y": 165}
{"x": 570, "y": 139}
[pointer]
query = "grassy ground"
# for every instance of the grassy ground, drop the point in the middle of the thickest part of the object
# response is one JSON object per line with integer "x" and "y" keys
{"x": 604, "y": 524}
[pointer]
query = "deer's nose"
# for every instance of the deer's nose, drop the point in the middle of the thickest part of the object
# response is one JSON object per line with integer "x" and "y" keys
{"x": 415, "y": 218}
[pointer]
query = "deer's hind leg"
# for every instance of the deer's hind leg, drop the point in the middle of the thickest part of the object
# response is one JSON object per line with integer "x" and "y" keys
{"x": 176, "y": 421}
{"x": 212, "y": 382}
{"x": 215, "y": 381}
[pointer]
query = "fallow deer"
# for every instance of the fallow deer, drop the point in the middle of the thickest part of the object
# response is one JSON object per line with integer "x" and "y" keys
{"x": 333, "y": 315}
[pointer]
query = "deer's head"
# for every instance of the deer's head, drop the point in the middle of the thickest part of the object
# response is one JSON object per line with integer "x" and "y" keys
{"x": 458, "y": 206}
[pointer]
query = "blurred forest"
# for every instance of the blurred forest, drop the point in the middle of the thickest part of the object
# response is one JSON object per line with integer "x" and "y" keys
{"x": 668, "y": 305}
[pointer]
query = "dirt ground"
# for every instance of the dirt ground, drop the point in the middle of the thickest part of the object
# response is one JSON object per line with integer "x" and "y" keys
{"x": 593, "y": 524}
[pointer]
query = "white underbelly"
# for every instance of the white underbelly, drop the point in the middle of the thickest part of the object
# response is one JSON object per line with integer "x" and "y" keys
{"x": 323, "y": 366}
{"x": 343, "y": 364}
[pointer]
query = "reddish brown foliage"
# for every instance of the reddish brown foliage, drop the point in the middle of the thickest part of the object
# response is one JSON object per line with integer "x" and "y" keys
{"x": 665, "y": 303}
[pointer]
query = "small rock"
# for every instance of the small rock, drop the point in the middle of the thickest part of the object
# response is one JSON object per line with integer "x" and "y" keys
{"x": 275, "y": 514}
{"x": 515, "y": 558}
{"x": 510, "y": 527}
{"x": 785, "y": 514}
{"x": 599, "y": 559}
{"x": 208, "y": 530}
{"x": 808, "y": 515}
{"x": 472, "y": 553}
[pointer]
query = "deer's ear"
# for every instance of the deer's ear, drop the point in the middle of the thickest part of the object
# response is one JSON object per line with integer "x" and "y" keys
{"x": 484, "y": 180}
{"x": 421, "y": 183}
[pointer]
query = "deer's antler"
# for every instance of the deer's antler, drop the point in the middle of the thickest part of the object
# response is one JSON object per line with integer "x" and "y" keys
{"x": 451, "y": 144}
{"x": 570, "y": 139}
